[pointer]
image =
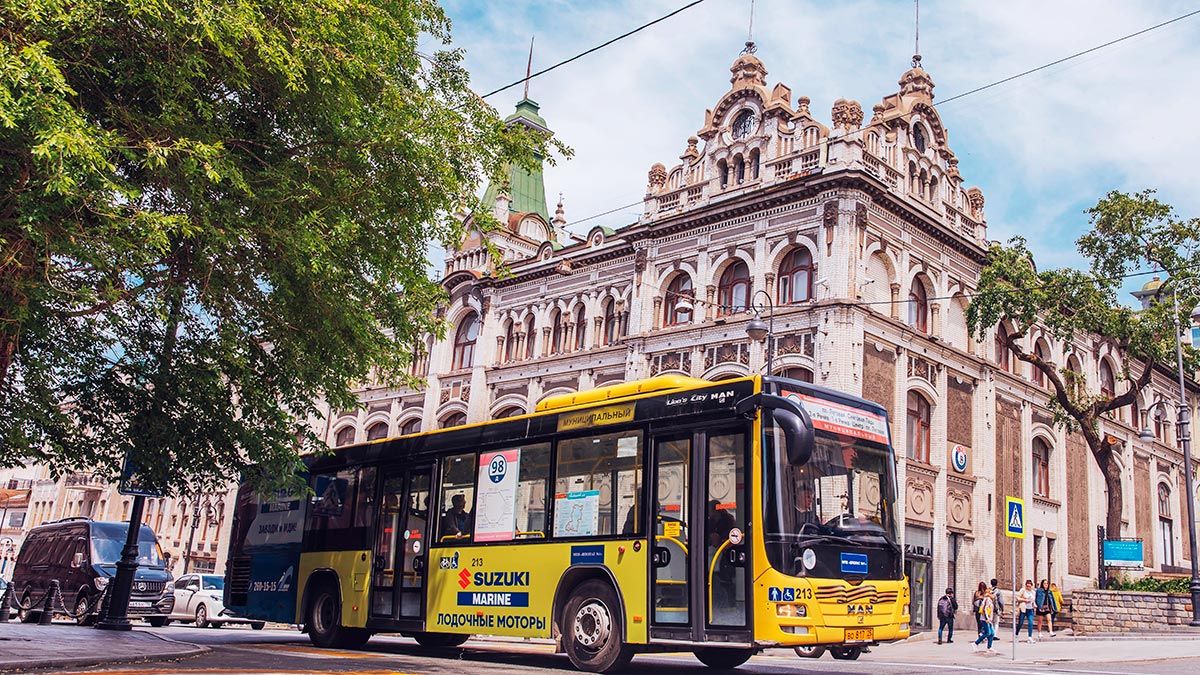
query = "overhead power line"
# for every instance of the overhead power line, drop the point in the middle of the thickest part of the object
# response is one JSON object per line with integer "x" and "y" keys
{"x": 594, "y": 49}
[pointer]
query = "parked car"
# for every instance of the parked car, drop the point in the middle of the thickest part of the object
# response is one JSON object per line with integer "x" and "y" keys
{"x": 82, "y": 554}
{"x": 198, "y": 599}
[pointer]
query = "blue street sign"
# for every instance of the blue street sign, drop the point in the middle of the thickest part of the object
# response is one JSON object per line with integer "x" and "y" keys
{"x": 1014, "y": 524}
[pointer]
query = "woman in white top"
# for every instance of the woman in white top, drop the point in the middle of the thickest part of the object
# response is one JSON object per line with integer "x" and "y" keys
{"x": 1024, "y": 608}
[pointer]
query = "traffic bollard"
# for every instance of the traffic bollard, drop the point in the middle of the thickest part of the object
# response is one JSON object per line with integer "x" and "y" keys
{"x": 48, "y": 606}
{"x": 5, "y": 602}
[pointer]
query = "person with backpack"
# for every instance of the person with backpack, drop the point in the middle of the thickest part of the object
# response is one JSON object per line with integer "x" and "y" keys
{"x": 977, "y": 606}
{"x": 946, "y": 608}
{"x": 998, "y": 601}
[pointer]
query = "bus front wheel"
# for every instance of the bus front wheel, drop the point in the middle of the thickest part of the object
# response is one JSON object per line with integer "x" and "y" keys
{"x": 723, "y": 658}
{"x": 324, "y": 623}
{"x": 593, "y": 629}
{"x": 810, "y": 651}
{"x": 845, "y": 653}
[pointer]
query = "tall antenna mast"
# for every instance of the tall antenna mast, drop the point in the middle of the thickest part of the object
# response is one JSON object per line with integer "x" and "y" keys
{"x": 916, "y": 62}
{"x": 529, "y": 66}
{"x": 750, "y": 48}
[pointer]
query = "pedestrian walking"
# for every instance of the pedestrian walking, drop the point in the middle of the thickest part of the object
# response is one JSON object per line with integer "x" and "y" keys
{"x": 987, "y": 612}
{"x": 1024, "y": 602}
{"x": 998, "y": 601}
{"x": 947, "y": 607}
{"x": 977, "y": 606}
{"x": 1045, "y": 605}
{"x": 1058, "y": 601}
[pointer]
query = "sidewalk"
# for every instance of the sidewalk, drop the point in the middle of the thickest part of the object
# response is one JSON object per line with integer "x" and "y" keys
{"x": 29, "y": 646}
{"x": 1060, "y": 650}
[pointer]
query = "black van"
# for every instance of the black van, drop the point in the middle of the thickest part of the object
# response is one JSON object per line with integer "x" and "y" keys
{"x": 82, "y": 555}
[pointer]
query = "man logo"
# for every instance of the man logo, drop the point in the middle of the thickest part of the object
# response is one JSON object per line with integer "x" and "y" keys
{"x": 860, "y": 609}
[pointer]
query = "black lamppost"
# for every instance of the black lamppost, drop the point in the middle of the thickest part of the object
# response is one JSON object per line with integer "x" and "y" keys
{"x": 763, "y": 331}
{"x": 1185, "y": 441}
{"x": 196, "y": 513}
{"x": 116, "y": 618}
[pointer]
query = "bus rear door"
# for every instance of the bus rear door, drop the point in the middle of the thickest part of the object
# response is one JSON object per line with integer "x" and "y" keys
{"x": 700, "y": 556}
{"x": 399, "y": 570}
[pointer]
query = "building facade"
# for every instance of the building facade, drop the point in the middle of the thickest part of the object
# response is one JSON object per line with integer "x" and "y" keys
{"x": 863, "y": 242}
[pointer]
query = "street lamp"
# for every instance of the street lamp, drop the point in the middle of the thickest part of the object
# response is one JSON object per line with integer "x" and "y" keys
{"x": 1185, "y": 442}
{"x": 763, "y": 331}
{"x": 196, "y": 513}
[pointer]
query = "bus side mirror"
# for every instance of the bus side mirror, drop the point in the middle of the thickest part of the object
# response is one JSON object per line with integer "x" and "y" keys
{"x": 791, "y": 418}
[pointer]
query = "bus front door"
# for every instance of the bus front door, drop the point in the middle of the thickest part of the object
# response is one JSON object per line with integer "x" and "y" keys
{"x": 397, "y": 588}
{"x": 701, "y": 553}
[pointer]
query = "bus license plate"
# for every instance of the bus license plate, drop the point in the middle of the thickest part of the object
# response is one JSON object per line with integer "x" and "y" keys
{"x": 860, "y": 634}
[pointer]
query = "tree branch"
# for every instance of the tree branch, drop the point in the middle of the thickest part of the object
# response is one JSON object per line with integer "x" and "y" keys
{"x": 1135, "y": 387}
{"x": 1050, "y": 371}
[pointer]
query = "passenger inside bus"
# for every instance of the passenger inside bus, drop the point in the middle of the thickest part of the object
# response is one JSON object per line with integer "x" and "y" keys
{"x": 456, "y": 522}
{"x": 724, "y": 576}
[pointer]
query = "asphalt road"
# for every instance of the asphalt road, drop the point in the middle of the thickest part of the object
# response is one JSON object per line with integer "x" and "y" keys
{"x": 240, "y": 650}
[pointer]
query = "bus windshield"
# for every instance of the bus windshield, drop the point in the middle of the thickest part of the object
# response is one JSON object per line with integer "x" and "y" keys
{"x": 841, "y": 499}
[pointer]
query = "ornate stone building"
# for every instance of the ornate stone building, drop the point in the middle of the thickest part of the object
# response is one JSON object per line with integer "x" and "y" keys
{"x": 868, "y": 243}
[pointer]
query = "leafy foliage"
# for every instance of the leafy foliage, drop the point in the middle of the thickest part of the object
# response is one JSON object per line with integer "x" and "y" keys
{"x": 213, "y": 214}
{"x": 1150, "y": 584}
{"x": 1130, "y": 233}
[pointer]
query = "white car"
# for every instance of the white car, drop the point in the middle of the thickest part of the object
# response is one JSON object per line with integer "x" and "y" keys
{"x": 198, "y": 598}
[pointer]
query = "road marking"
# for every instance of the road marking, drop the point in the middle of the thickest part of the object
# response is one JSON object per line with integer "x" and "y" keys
{"x": 992, "y": 669}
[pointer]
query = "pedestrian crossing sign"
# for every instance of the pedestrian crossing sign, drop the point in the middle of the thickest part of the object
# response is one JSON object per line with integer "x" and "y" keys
{"x": 1014, "y": 524}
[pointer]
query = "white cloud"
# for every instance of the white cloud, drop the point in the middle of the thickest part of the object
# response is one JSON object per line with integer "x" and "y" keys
{"x": 1042, "y": 148}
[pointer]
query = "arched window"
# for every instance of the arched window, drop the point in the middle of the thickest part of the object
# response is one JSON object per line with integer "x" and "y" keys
{"x": 530, "y": 334}
{"x": 919, "y": 138}
{"x": 510, "y": 343}
{"x": 377, "y": 431}
{"x": 923, "y": 184}
{"x": 1041, "y": 467}
{"x": 556, "y": 332}
{"x": 1075, "y": 377}
{"x": 1003, "y": 355}
{"x": 723, "y": 173}
{"x": 796, "y": 277}
{"x": 918, "y": 427}
{"x": 733, "y": 294}
{"x": 739, "y": 170}
{"x": 580, "y": 328}
{"x": 510, "y": 411}
{"x": 934, "y": 197}
{"x": 918, "y": 306}
{"x": 1166, "y": 529}
{"x": 754, "y": 162}
{"x": 345, "y": 436}
{"x": 455, "y": 419}
{"x": 797, "y": 373}
{"x": 1043, "y": 352}
{"x": 464, "y": 342}
{"x": 1108, "y": 381}
{"x": 412, "y": 426}
{"x": 914, "y": 179}
{"x": 612, "y": 322}
{"x": 1158, "y": 421}
{"x": 679, "y": 289}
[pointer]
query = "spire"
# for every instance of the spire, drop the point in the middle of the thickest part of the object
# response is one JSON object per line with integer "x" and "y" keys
{"x": 528, "y": 68}
{"x": 916, "y": 61}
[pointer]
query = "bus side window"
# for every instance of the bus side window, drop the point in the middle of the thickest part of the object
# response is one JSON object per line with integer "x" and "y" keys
{"x": 597, "y": 485}
{"x": 456, "y": 522}
{"x": 533, "y": 481}
{"x": 331, "y": 511}
{"x": 364, "y": 511}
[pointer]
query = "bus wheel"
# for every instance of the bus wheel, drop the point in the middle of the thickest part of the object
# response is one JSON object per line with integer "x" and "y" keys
{"x": 810, "y": 651}
{"x": 593, "y": 629}
{"x": 845, "y": 653}
{"x": 440, "y": 640}
{"x": 723, "y": 658}
{"x": 324, "y": 623}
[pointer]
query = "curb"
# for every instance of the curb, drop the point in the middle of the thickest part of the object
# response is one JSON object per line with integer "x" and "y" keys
{"x": 189, "y": 651}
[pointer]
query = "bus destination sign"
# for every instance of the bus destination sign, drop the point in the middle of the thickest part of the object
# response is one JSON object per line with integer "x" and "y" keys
{"x": 843, "y": 420}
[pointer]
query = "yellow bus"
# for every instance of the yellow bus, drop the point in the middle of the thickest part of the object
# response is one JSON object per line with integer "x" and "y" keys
{"x": 668, "y": 514}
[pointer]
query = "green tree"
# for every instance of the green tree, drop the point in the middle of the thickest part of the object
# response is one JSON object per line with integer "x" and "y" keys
{"x": 1130, "y": 234}
{"x": 213, "y": 214}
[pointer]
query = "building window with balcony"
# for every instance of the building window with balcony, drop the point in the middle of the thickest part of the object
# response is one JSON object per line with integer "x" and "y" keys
{"x": 796, "y": 277}
{"x": 734, "y": 290}
{"x": 1041, "y": 468}
{"x": 918, "y": 427}
{"x": 344, "y": 436}
{"x": 918, "y": 306}
{"x": 679, "y": 290}
{"x": 464, "y": 342}
{"x": 1166, "y": 530}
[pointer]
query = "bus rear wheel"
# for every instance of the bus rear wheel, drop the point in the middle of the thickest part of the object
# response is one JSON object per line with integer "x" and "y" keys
{"x": 845, "y": 653}
{"x": 324, "y": 622}
{"x": 723, "y": 658}
{"x": 593, "y": 629}
{"x": 810, "y": 651}
{"x": 440, "y": 640}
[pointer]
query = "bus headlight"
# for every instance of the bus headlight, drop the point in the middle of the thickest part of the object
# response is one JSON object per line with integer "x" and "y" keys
{"x": 790, "y": 611}
{"x": 795, "y": 630}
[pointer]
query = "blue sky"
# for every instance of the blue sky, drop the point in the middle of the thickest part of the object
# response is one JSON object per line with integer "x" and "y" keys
{"x": 1042, "y": 148}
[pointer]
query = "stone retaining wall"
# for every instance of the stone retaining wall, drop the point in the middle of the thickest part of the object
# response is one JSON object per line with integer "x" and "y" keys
{"x": 1096, "y": 611}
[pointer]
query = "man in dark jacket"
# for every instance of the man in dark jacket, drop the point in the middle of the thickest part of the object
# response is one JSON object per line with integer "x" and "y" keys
{"x": 946, "y": 607}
